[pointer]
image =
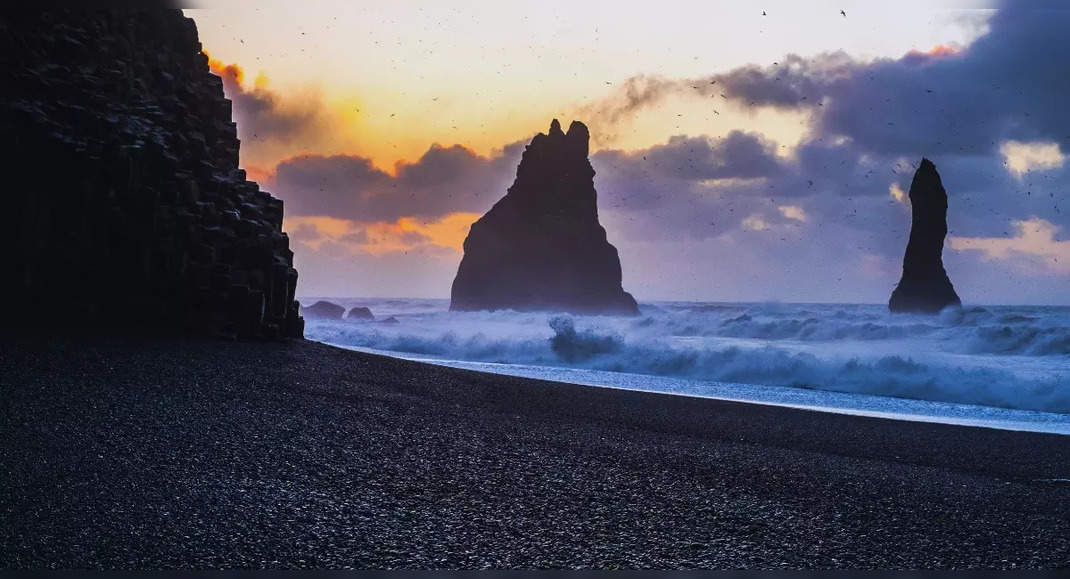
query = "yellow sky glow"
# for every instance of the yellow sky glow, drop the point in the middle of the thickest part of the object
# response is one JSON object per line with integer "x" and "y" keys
{"x": 393, "y": 78}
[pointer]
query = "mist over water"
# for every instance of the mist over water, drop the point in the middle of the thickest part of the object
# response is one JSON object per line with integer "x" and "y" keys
{"x": 1015, "y": 357}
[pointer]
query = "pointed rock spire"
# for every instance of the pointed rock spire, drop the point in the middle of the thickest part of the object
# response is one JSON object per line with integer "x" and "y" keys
{"x": 555, "y": 128}
{"x": 925, "y": 286}
{"x": 579, "y": 138}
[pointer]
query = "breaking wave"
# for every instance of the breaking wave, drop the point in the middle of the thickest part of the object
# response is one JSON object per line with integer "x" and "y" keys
{"x": 1014, "y": 357}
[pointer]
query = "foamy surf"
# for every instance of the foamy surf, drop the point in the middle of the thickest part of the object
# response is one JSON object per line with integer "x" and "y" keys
{"x": 816, "y": 400}
{"x": 1001, "y": 367}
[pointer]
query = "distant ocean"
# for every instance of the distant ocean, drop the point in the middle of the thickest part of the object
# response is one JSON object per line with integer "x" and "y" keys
{"x": 997, "y": 366}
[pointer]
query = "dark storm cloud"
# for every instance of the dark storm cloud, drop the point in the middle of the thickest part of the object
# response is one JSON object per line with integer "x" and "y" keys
{"x": 669, "y": 182}
{"x": 1009, "y": 84}
{"x": 737, "y": 155}
{"x": 333, "y": 186}
{"x": 794, "y": 82}
{"x": 442, "y": 181}
{"x": 873, "y": 122}
{"x": 700, "y": 188}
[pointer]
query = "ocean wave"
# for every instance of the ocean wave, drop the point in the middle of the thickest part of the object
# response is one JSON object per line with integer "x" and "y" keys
{"x": 1009, "y": 357}
{"x": 889, "y": 375}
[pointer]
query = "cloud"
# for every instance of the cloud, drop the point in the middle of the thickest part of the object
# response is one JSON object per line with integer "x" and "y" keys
{"x": 792, "y": 83}
{"x": 793, "y": 212}
{"x": 737, "y": 155}
{"x": 754, "y": 223}
{"x": 944, "y": 101}
{"x": 444, "y": 180}
{"x": 1003, "y": 86}
{"x": 1033, "y": 246}
{"x": 261, "y": 113}
{"x": 1021, "y": 158}
{"x": 684, "y": 173}
{"x": 897, "y": 193}
{"x": 317, "y": 233}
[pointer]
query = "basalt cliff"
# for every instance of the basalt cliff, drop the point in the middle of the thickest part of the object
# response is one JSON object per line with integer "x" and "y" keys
{"x": 925, "y": 287}
{"x": 541, "y": 246}
{"x": 125, "y": 203}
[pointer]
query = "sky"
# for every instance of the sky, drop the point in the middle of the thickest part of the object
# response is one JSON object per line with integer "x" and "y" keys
{"x": 743, "y": 151}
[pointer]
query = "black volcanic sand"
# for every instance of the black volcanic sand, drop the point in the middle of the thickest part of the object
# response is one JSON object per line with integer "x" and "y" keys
{"x": 169, "y": 453}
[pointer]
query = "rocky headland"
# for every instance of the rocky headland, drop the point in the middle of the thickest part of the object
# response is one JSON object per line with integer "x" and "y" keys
{"x": 126, "y": 204}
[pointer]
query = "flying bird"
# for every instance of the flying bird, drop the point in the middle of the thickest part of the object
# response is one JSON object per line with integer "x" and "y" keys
{"x": 843, "y": 13}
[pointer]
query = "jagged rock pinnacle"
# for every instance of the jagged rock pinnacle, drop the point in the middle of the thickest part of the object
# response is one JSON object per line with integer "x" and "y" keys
{"x": 541, "y": 247}
{"x": 555, "y": 128}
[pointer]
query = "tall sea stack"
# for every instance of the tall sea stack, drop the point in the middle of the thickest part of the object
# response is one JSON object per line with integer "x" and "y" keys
{"x": 541, "y": 247}
{"x": 124, "y": 201}
{"x": 925, "y": 287}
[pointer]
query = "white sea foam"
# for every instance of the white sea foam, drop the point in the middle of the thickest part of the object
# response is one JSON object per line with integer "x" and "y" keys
{"x": 1011, "y": 357}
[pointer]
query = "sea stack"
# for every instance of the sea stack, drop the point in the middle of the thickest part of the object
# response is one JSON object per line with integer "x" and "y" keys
{"x": 541, "y": 247}
{"x": 925, "y": 287}
{"x": 125, "y": 202}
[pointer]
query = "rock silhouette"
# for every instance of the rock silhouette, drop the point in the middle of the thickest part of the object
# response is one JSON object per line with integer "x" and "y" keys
{"x": 324, "y": 310}
{"x": 122, "y": 185}
{"x": 925, "y": 286}
{"x": 360, "y": 313}
{"x": 541, "y": 246}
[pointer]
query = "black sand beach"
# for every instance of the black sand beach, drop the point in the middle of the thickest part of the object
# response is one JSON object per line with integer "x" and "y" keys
{"x": 153, "y": 452}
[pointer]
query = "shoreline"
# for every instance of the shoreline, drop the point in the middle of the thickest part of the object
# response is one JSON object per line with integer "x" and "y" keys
{"x": 167, "y": 452}
{"x": 996, "y": 424}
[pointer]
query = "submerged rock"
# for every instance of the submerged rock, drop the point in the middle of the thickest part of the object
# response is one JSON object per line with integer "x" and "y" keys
{"x": 925, "y": 286}
{"x": 360, "y": 313}
{"x": 324, "y": 310}
{"x": 541, "y": 247}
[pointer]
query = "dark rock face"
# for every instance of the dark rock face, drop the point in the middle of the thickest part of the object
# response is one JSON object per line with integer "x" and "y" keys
{"x": 324, "y": 310}
{"x": 360, "y": 313}
{"x": 541, "y": 247}
{"x": 925, "y": 286}
{"x": 122, "y": 186}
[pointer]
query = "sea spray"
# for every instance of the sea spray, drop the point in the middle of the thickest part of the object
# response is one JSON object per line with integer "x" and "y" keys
{"x": 1014, "y": 357}
{"x": 573, "y": 347}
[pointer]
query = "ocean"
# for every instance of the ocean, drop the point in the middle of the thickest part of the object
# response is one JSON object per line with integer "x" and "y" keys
{"x": 993, "y": 366}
